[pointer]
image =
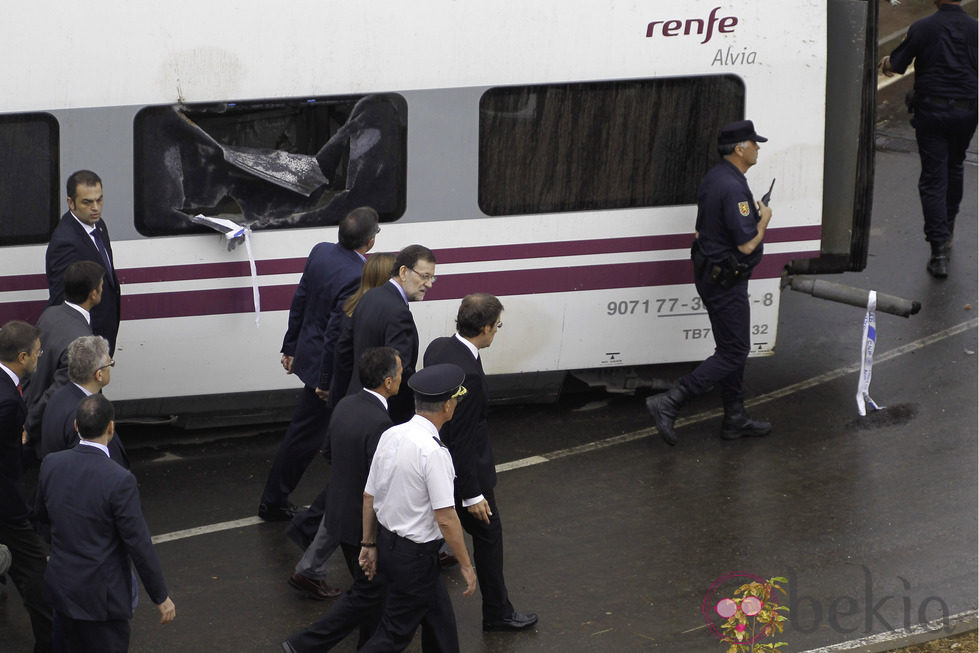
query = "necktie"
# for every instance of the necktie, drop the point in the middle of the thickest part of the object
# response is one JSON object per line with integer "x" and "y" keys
{"x": 97, "y": 237}
{"x": 20, "y": 389}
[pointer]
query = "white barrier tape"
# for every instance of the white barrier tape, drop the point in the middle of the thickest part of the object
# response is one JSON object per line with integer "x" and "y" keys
{"x": 256, "y": 298}
{"x": 868, "y": 345}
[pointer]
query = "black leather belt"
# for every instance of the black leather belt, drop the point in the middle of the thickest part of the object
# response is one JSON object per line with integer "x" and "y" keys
{"x": 397, "y": 543}
{"x": 938, "y": 101}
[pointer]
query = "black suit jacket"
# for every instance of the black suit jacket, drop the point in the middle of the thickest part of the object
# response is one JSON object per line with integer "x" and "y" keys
{"x": 467, "y": 434}
{"x": 13, "y": 506}
{"x": 69, "y": 243}
{"x": 58, "y": 427}
{"x": 355, "y": 427}
{"x": 332, "y": 274}
{"x": 97, "y": 527}
{"x": 382, "y": 319}
{"x": 59, "y": 326}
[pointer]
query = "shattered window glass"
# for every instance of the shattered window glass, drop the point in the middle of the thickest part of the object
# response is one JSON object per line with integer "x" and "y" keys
{"x": 269, "y": 164}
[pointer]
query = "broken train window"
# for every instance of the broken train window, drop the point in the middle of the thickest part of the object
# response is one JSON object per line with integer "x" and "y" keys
{"x": 269, "y": 164}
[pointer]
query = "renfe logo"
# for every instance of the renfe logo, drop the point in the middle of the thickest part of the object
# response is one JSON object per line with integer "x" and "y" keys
{"x": 689, "y": 26}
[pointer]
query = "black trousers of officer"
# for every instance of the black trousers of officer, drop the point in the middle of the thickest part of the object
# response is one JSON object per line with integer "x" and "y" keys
{"x": 416, "y": 596}
{"x": 488, "y": 560}
{"x": 303, "y": 439}
{"x": 943, "y": 128}
{"x": 359, "y": 606}
{"x": 730, "y": 321}
{"x": 29, "y": 559}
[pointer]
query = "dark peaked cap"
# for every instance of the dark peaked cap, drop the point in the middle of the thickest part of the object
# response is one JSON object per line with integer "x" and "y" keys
{"x": 438, "y": 382}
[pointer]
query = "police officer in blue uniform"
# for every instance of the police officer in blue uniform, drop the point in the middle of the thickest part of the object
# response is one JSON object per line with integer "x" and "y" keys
{"x": 728, "y": 245}
{"x": 943, "y": 47}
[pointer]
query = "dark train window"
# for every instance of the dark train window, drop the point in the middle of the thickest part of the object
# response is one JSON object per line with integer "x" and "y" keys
{"x": 30, "y": 200}
{"x": 269, "y": 164}
{"x": 603, "y": 145}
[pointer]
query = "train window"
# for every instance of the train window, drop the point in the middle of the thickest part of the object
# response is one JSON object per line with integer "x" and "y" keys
{"x": 274, "y": 164}
{"x": 29, "y": 187}
{"x": 604, "y": 145}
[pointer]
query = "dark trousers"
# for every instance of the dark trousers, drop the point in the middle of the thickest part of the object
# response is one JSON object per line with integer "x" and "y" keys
{"x": 80, "y": 636}
{"x": 488, "y": 559}
{"x": 29, "y": 554}
{"x": 943, "y": 129}
{"x": 416, "y": 596}
{"x": 730, "y": 321}
{"x": 358, "y": 606}
{"x": 303, "y": 439}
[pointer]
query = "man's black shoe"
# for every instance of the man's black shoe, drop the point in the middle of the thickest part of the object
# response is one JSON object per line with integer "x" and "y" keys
{"x": 663, "y": 407}
{"x": 516, "y": 621}
{"x": 276, "y": 513}
{"x": 938, "y": 263}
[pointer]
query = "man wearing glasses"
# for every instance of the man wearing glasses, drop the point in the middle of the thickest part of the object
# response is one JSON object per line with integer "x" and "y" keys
{"x": 89, "y": 370}
{"x": 382, "y": 319}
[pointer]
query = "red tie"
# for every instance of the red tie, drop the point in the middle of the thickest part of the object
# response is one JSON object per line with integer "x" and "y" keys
{"x": 20, "y": 389}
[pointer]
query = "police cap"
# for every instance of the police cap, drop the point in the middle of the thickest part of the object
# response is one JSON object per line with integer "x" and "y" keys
{"x": 438, "y": 382}
{"x": 737, "y": 132}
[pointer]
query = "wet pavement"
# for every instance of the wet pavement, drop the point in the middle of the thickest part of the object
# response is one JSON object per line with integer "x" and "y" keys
{"x": 615, "y": 539}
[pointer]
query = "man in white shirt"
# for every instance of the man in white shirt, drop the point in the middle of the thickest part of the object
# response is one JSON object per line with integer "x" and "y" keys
{"x": 408, "y": 509}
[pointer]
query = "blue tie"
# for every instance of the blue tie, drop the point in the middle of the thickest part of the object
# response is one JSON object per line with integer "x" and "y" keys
{"x": 97, "y": 237}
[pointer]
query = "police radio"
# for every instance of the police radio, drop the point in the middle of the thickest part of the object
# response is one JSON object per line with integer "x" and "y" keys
{"x": 768, "y": 196}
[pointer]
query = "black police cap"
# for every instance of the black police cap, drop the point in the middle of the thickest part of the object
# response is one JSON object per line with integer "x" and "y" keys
{"x": 737, "y": 132}
{"x": 438, "y": 382}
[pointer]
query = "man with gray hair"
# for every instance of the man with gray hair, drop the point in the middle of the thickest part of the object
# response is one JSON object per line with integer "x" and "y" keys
{"x": 89, "y": 370}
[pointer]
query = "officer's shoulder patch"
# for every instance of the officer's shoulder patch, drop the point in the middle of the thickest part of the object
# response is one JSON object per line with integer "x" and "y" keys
{"x": 744, "y": 209}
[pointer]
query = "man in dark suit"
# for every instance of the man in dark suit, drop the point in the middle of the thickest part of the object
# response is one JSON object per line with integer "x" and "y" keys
{"x": 20, "y": 348}
{"x": 332, "y": 274}
{"x": 97, "y": 532}
{"x": 82, "y": 236}
{"x": 89, "y": 370}
{"x": 357, "y": 424}
{"x": 59, "y": 326}
{"x": 467, "y": 437}
{"x": 382, "y": 319}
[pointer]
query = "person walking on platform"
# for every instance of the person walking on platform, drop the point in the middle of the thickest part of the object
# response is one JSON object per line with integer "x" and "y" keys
{"x": 81, "y": 235}
{"x": 467, "y": 437}
{"x": 60, "y": 325}
{"x": 89, "y": 370}
{"x": 383, "y": 319}
{"x": 355, "y": 428}
{"x": 728, "y": 245}
{"x": 20, "y": 349}
{"x": 943, "y": 47}
{"x": 331, "y": 275}
{"x": 97, "y": 535}
{"x": 408, "y": 510}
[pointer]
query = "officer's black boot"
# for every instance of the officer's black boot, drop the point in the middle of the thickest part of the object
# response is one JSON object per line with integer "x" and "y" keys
{"x": 738, "y": 424}
{"x": 663, "y": 407}
{"x": 938, "y": 263}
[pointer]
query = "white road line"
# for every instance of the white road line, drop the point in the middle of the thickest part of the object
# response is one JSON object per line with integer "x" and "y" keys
{"x": 888, "y": 639}
{"x": 641, "y": 433}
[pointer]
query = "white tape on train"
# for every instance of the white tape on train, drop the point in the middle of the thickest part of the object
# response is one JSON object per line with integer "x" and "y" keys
{"x": 867, "y": 347}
